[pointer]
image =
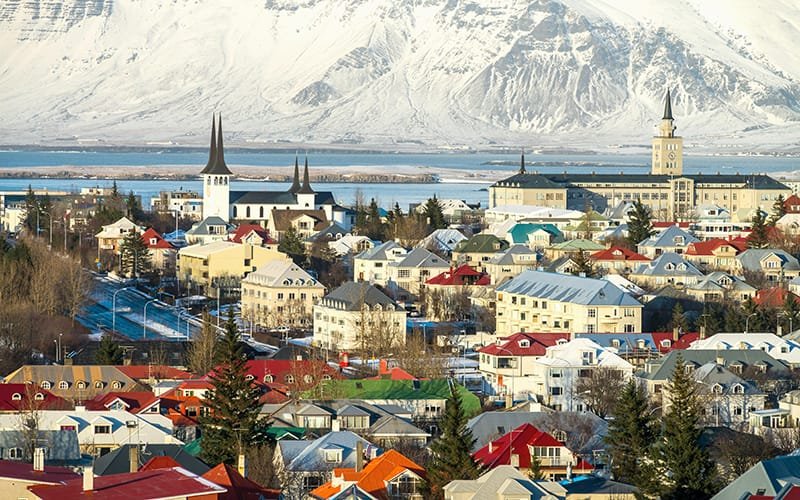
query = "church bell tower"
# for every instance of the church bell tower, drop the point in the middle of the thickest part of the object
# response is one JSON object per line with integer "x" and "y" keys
{"x": 216, "y": 177}
{"x": 667, "y": 147}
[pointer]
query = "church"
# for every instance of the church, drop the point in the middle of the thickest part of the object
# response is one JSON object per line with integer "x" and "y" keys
{"x": 262, "y": 206}
{"x": 670, "y": 194}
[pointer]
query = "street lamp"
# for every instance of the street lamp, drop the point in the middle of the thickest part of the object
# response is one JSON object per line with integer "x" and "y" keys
{"x": 114, "y": 308}
{"x": 747, "y": 322}
{"x": 144, "y": 322}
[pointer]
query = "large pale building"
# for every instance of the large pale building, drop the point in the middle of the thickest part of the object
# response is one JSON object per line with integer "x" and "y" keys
{"x": 280, "y": 293}
{"x": 666, "y": 190}
{"x": 223, "y": 264}
{"x": 537, "y": 301}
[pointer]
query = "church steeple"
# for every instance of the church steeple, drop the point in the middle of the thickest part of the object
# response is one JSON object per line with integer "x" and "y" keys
{"x": 216, "y": 154}
{"x": 668, "y": 108}
{"x": 212, "y": 152}
{"x": 522, "y": 164}
{"x": 296, "y": 181}
{"x": 306, "y": 189}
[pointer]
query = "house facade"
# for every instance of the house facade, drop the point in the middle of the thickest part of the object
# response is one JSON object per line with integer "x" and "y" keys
{"x": 280, "y": 293}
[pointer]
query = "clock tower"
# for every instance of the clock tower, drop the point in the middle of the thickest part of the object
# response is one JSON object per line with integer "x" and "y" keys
{"x": 667, "y": 147}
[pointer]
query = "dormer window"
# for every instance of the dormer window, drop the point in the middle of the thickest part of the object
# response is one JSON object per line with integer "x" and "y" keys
{"x": 308, "y": 378}
{"x": 39, "y": 396}
{"x": 16, "y": 396}
{"x": 81, "y": 384}
{"x": 669, "y": 266}
{"x": 716, "y": 389}
{"x": 249, "y": 378}
{"x": 666, "y": 343}
{"x": 268, "y": 379}
{"x": 63, "y": 385}
{"x": 679, "y": 240}
{"x": 116, "y": 384}
{"x": 615, "y": 343}
{"x": 333, "y": 456}
{"x": 289, "y": 379}
{"x": 525, "y": 343}
{"x": 98, "y": 384}
{"x": 738, "y": 389}
{"x": 46, "y": 385}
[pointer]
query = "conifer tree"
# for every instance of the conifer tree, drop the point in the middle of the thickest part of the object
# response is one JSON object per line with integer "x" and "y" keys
{"x": 690, "y": 471}
{"x": 134, "y": 254}
{"x": 630, "y": 439}
{"x": 452, "y": 458}
{"x": 108, "y": 352}
{"x": 31, "y": 209}
{"x": 536, "y": 473}
{"x": 778, "y": 210}
{"x": 759, "y": 231}
{"x": 433, "y": 212}
{"x": 640, "y": 224}
{"x": 679, "y": 318}
{"x": 233, "y": 423}
{"x": 292, "y": 245}
{"x": 133, "y": 207}
{"x": 583, "y": 264}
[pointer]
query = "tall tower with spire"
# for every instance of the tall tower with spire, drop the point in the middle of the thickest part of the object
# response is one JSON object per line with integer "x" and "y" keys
{"x": 667, "y": 147}
{"x": 306, "y": 197}
{"x": 216, "y": 177}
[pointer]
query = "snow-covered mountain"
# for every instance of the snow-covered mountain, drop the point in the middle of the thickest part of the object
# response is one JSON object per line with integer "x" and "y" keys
{"x": 581, "y": 73}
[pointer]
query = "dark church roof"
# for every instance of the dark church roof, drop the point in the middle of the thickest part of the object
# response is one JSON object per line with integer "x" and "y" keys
{"x": 216, "y": 154}
{"x": 306, "y": 189}
{"x": 263, "y": 198}
{"x": 556, "y": 181}
{"x": 296, "y": 180}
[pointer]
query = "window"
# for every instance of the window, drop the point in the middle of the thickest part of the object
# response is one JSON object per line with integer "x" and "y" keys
{"x": 289, "y": 379}
{"x": 39, "y": 396}
{"x": 15, "y": 454}
{"x": 102, "y": 429}
{"x": 63, "y": 385}
{"x": 46, "y": 385}
{"x": 116, "y": 384}
{"x": 68, "y": 428}
{"x": 592, "y": 313}
{"x": 556, "y": 391}
{"x": 268, "y": 379}
{"x": 404, "y": 487}
{"x": 308, "y": 378}
{"x": 738, "y": 389}
{"x": 560, "y": 436}
{"x": 81, "y": 385}
{"x": 333, "y": 456}
{"x": 98, "y": 385}
{"x": 16, "y": 396}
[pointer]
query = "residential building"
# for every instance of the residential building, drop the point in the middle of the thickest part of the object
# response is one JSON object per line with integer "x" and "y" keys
{"x": 715, "y": 254}
{"x": 503, "y": 483}
{"x": 350, "y": 244}
{"x": 619, "y": 260}
{"x": 17, "y": 397}
{"x": 238, "y": 487}
{"x": 305, "y": 223}
{"x": 571, "y": 247}
{"x": 776, "y": 265}
{"x": 280, "y": 293}
{"x": 391, "y": 475}
{"x": 118, "y": 461}
{"x": 639, "y": 348}
{"x": 510, "y": 262}
{"x": 666, "y": 190}
{"x": 512, "y": 213}
{"x": 453, "y": 288}
{"x": 111, "y": 236}
{"x": 60, "y": 447}
{"x": 223, "y": 264}
{"x": 534, "y": 235}
{"x": 208, "y": 230}
{"x": 182, "y": 203}
{"x": 162, "y": 252}
{"x": 252, "y": 234}
{"x": 555, "y": 375}
{"x": 547, "y": 302}
{"x": 16, "y": 476}
{"x": 719, "y": 286}
{"x": 671, "y": 240}
{"x": 372, "y": 265}
{"x": 408, "y": 275}
{"x": 519, "y": 446}
{"x": 766, "y": 479}
{"x": 478, "y": 250}
{"x": 302, "y": 465}
{"x": 780, "y": 348}
{"x": 590, "y": 226}
{"x": 102, "y": 431}
{"x": 442, "y": 241}
{"x": 74, "y": 382}
{"x": 666, "y": 269}
{"x": 152, "y": 484}
{"x": 133, "y": 402}
{"x": 358, "y": 316}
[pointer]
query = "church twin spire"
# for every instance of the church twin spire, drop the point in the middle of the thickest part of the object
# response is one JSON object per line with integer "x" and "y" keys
{"x": 296, "y": 187}
{"x": 216, "y": 155}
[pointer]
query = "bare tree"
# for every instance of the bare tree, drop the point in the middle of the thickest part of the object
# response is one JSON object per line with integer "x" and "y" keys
{"x": 29, "y": 425}
{"x": 421, "y": 359}
{"x": 202, "y": 350}
{"x": 737, "y": 452}
{"x": 600, "y": 390}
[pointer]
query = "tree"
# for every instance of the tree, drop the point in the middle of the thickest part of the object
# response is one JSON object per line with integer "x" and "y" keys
{"x": 202, "y": 351}
{"x": 133, "y": 207}
{"x": 434, "y": 215}
{"x": 375, "y": 228}
{"x": 233, "y": 420}
{"x": 778, "y": 210}
{"x": 640, "y": 223}
{"x": 679, "y": 318}
{"x": 452, "y": 452}
{"x": 789, "y": 311}
{"x": 420, "y": 359}
{"x": 292, "y": 245}
{"x": 31, "y": 210}
{"x": 536, "y": 473}
{"x": 583, "y": 264}
{"x": 630, "y": 439}
{"x": 690, "y": 471}
{"x": 600, "y": 390}
{"x": 108, "y": 352}
{"x": 134, "y": 254}
{"x": 759, "y": 231}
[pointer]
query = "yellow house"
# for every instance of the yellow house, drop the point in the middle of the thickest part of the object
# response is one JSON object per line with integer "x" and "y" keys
{"x": 226, "y": 261}
{"x": 280, "y": 293}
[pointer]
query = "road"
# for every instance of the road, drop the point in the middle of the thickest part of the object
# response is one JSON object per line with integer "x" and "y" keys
{"x": 163, "y": 321}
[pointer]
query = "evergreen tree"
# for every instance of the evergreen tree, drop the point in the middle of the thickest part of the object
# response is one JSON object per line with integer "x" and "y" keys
{"x": 292, "y": 245}
{"x": 690, "y": 471}
{"x": 114, "y": 190}
{"x": 583, "y": 264}
{"x": 679, "y": 318}
{"x": 640, "y": 224}
{"x": 789, "y": 311}
{"x": 108, "y": 352}
{"x": 630, "y": 439}
{"x": 778, "y": 210}
{"x": 133, "y": 207}
{"x": 452, "y": 452}
{"x": 711, "y": 321}
{"x": 31, "y": 210}
{"x": 759, "y": 231}
{"x": 375, "y": 228}
{"x": 536, "y": 473}
{"x": 433, "y": 212}
{"x": 134, "y": 254}
{"x": 233, "y": 423}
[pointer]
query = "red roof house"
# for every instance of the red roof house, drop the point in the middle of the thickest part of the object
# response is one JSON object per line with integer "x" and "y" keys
{"x": 161, "y": 462}
{"x": 463, "y": 275}
{"x": 524, "y": 344}
{"x": 375, "y": 480}
{"x": 516, "y": 447}
{"x": 393, "y": 373}
{"x": 16, "y": 397}
{"x": 16, "y": 476}
{"x": 143, "y": 485}
{"x": 667, "y": 341}
{"x": 133, "y": 402}
{"x": 774, "y": 297}
{"x": 251, "y": 233}
{"x": 155, "y": 241}
{"x": 147, "y": 373}
{"x": 618, "y": 258}
{"x": 792, "y": 204}
{"x": 238, "y": 486}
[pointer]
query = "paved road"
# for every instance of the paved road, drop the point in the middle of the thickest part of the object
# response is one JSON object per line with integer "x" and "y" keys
{"x": 163, "y": 321}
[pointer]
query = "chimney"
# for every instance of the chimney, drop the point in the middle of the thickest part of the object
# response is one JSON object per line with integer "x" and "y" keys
{"x": 359, "y": 456}
{"x": 336, "y": 426}
{"x": 88, "y": 478}
{"x": 509, "y": 400}
{"x": 242, "y": 465}
{"x": 133, "y": 457}
{"x": 383, "y": 367}
{"x": 38, "y": 459}
{"x": 720, "y": 361}
{"x": 675, "y": 335}
{"x": 702, "y": 332}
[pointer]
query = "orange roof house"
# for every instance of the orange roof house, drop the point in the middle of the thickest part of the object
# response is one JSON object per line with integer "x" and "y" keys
{"x": 376, "y": 480}
{"x": 238, "y": 486}
{"x": 774, "y": 297}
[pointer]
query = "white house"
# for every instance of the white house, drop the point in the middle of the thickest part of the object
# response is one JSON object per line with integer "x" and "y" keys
{"x": 111, "y": 236}
{"x": 780, "y": 348}
{"x": 372, "y": 265}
